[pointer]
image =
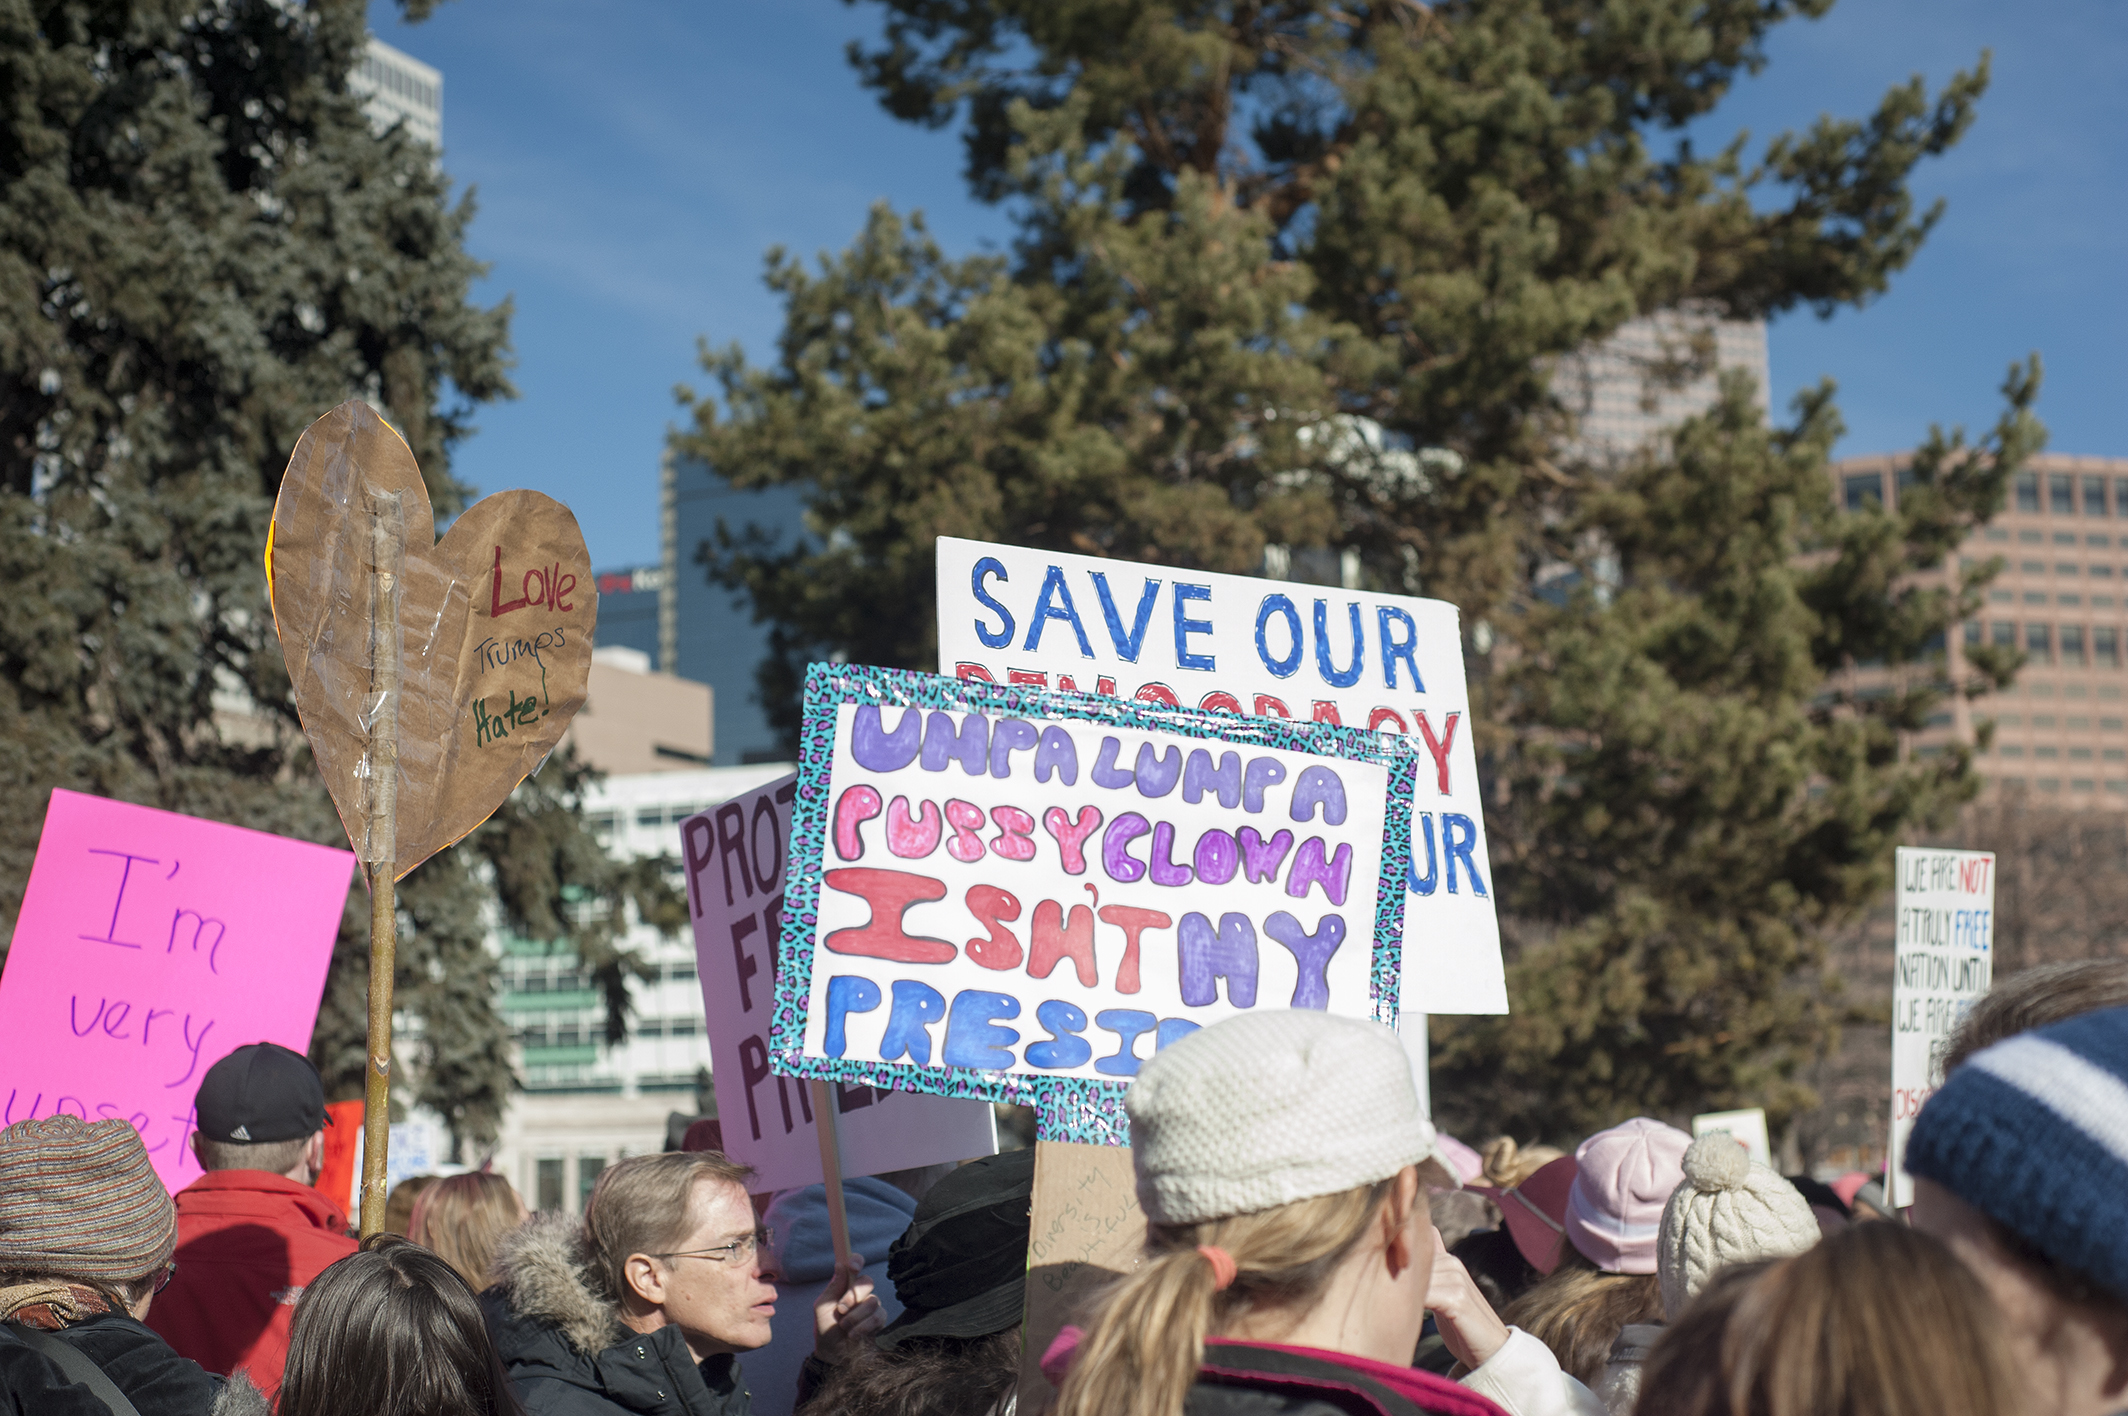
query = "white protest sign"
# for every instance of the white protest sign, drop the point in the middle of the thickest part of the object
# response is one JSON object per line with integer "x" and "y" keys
{"x": 1944, "y": 961}
{"x": 1271, "y": 648}
{"x": 735, "y": 856}
{"x": 1111, "y": 888}
{"x": 417, "y": 1147}
{"x": 1748, "y": 1126}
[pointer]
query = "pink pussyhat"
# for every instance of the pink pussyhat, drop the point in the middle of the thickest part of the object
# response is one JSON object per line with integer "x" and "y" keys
{"x": 1469, "y": 1165}
{"x": 1622, "y": 1179}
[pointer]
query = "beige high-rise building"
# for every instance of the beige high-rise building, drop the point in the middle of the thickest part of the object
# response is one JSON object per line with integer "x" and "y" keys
{"x": 634, "y": 720}
{"x": 2061, "y": 730}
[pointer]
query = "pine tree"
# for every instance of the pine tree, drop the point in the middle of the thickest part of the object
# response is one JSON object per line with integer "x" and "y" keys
{"x": 1261, "y": 245}
{"x": 203, "y": 246}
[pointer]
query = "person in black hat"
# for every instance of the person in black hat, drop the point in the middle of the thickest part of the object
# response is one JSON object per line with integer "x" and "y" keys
{"x": 252, "y": 1231}
{"x": 961, "y": 1275}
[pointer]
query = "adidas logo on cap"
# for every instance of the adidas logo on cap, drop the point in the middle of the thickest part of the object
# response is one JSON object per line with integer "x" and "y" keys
{"x": 240, "y": 1134}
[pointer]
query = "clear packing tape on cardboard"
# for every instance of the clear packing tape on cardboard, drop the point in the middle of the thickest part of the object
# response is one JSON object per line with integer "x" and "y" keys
{"x": 493, "y": 634}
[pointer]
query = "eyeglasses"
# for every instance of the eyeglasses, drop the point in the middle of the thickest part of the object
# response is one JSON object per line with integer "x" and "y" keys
{"x": 169, "y": 1272}
{"x": 736, "y": 1252}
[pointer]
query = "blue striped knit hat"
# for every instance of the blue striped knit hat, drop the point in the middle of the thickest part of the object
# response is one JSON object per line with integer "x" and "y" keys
{"x": 2033, "y": 1132}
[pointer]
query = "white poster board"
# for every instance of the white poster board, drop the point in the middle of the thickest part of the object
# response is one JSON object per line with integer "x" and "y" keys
{"x": 1747, "y": 1125}
{"x": 1105, "y": 892}
{"x": 1943, "y": 963}
{"x": 1274, "y": 648}
{"x": 735, "y": 857}
{"x": 418, "y": 1146}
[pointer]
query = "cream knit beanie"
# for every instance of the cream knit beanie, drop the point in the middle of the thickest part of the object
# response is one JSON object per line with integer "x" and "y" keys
{"x": 1271, "y": 1107}
{"x": 1729, "y": 1210}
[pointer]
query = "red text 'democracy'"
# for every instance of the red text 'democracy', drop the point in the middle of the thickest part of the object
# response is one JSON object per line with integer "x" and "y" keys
{"x": 1063, "y": 898}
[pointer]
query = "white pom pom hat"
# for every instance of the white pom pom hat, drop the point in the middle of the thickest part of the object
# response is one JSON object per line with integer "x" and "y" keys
{"x": 1729, "y": 1210}
{"x": 1272, "y": 1107}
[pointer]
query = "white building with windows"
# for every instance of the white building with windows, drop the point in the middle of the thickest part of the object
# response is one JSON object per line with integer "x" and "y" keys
{"x": 585, "y": 1103}
{"x": 1655, "y": 372}
{"x": 398, "y": 88}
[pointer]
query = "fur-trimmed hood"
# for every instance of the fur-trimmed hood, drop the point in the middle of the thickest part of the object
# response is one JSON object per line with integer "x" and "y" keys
{"x": 543, "y": 1275}
{"x": 238, "y": 1397}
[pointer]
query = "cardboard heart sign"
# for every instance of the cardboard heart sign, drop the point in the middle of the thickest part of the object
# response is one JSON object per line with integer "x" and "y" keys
{"x": 495, "y": 631}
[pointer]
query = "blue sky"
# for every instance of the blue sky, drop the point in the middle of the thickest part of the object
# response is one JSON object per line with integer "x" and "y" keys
{"x": 634, "y": 161}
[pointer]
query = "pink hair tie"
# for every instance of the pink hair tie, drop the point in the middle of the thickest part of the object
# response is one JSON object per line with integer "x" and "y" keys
{"x": 1223, "y": 1269}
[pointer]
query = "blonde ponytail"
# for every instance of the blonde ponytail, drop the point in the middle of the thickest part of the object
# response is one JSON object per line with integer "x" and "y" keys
{"x": 1507, "y": 1165}
{"x": 1146, "y": 1341}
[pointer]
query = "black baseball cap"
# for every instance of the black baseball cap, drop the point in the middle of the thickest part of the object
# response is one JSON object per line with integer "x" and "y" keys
{"x": 961, "y": 1269}
{"x": 259, "y": 1093}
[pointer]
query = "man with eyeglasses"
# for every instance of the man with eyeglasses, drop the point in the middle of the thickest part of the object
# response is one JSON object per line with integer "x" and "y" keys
{"x": 645, "y": 1305}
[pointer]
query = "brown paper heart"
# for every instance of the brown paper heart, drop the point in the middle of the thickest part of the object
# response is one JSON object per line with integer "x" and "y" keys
{"x": 495, "y": 629}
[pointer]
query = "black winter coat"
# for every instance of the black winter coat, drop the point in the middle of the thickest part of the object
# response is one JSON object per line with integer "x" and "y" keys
{"x": 139, "y": 1363}
{"x": 567, "y": 1354}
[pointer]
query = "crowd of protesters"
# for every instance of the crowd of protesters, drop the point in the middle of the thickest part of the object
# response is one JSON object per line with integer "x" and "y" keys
{"x": 1312, "y": 1247}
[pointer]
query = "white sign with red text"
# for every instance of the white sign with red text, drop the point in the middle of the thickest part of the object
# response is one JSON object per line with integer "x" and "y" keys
{"x": 735, "y": 858}
{"x": 1275, "y": 648}
{"x": 1943, "y": 962}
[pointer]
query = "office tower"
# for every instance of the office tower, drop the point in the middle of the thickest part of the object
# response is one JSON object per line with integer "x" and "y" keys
{"x": 1618, "y": 388}
{"x": 395, "y": 88}
{"x": 634, "y": 720}
{"x": 628, "y": 609}
{"x": 705, "y": 632}
{"x": 2061, "y": 730}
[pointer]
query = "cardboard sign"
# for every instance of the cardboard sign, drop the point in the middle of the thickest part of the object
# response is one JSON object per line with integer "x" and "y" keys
{"x": 996, "y": 892}
{"x": 495, "y": 628}
{"x": 735, "y": 856}
{"x": 1086, "y": 1232}
{"x": 1945, "y": 961}
{"x": 1748, "y": 1126}
{"x": 1241, "y": 645}
{"x": 149, "y": 947}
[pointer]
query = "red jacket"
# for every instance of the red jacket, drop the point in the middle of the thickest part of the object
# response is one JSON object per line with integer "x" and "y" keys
{"x": 247, "y": 1243}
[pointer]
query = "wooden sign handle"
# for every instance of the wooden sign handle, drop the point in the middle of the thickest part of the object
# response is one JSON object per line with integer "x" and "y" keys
{"x": 830, "y": 1132}
{"x": 387, "y": 526}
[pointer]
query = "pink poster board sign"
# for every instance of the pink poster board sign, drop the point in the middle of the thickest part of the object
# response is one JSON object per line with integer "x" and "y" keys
{"x": 150, "y": 946}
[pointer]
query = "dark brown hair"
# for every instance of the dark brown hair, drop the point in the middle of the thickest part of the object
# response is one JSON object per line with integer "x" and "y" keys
{"x": 1877, "y": 1320}
{"x": 2035, "y": 998}
{"x": 923, "y": 1376}
{"x": 392, "y": 1331}
{"x": 1579, "y": 1310}
{"x": 1683, "y": 1373}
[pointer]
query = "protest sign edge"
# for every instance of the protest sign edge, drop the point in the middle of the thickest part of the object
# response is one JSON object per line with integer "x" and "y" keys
{"x": 1098, "y": 1103}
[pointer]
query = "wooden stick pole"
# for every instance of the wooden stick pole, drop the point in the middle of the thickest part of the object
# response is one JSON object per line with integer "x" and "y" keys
{"x": 387, "y": 524}
{"x": 830, "y": 1131}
